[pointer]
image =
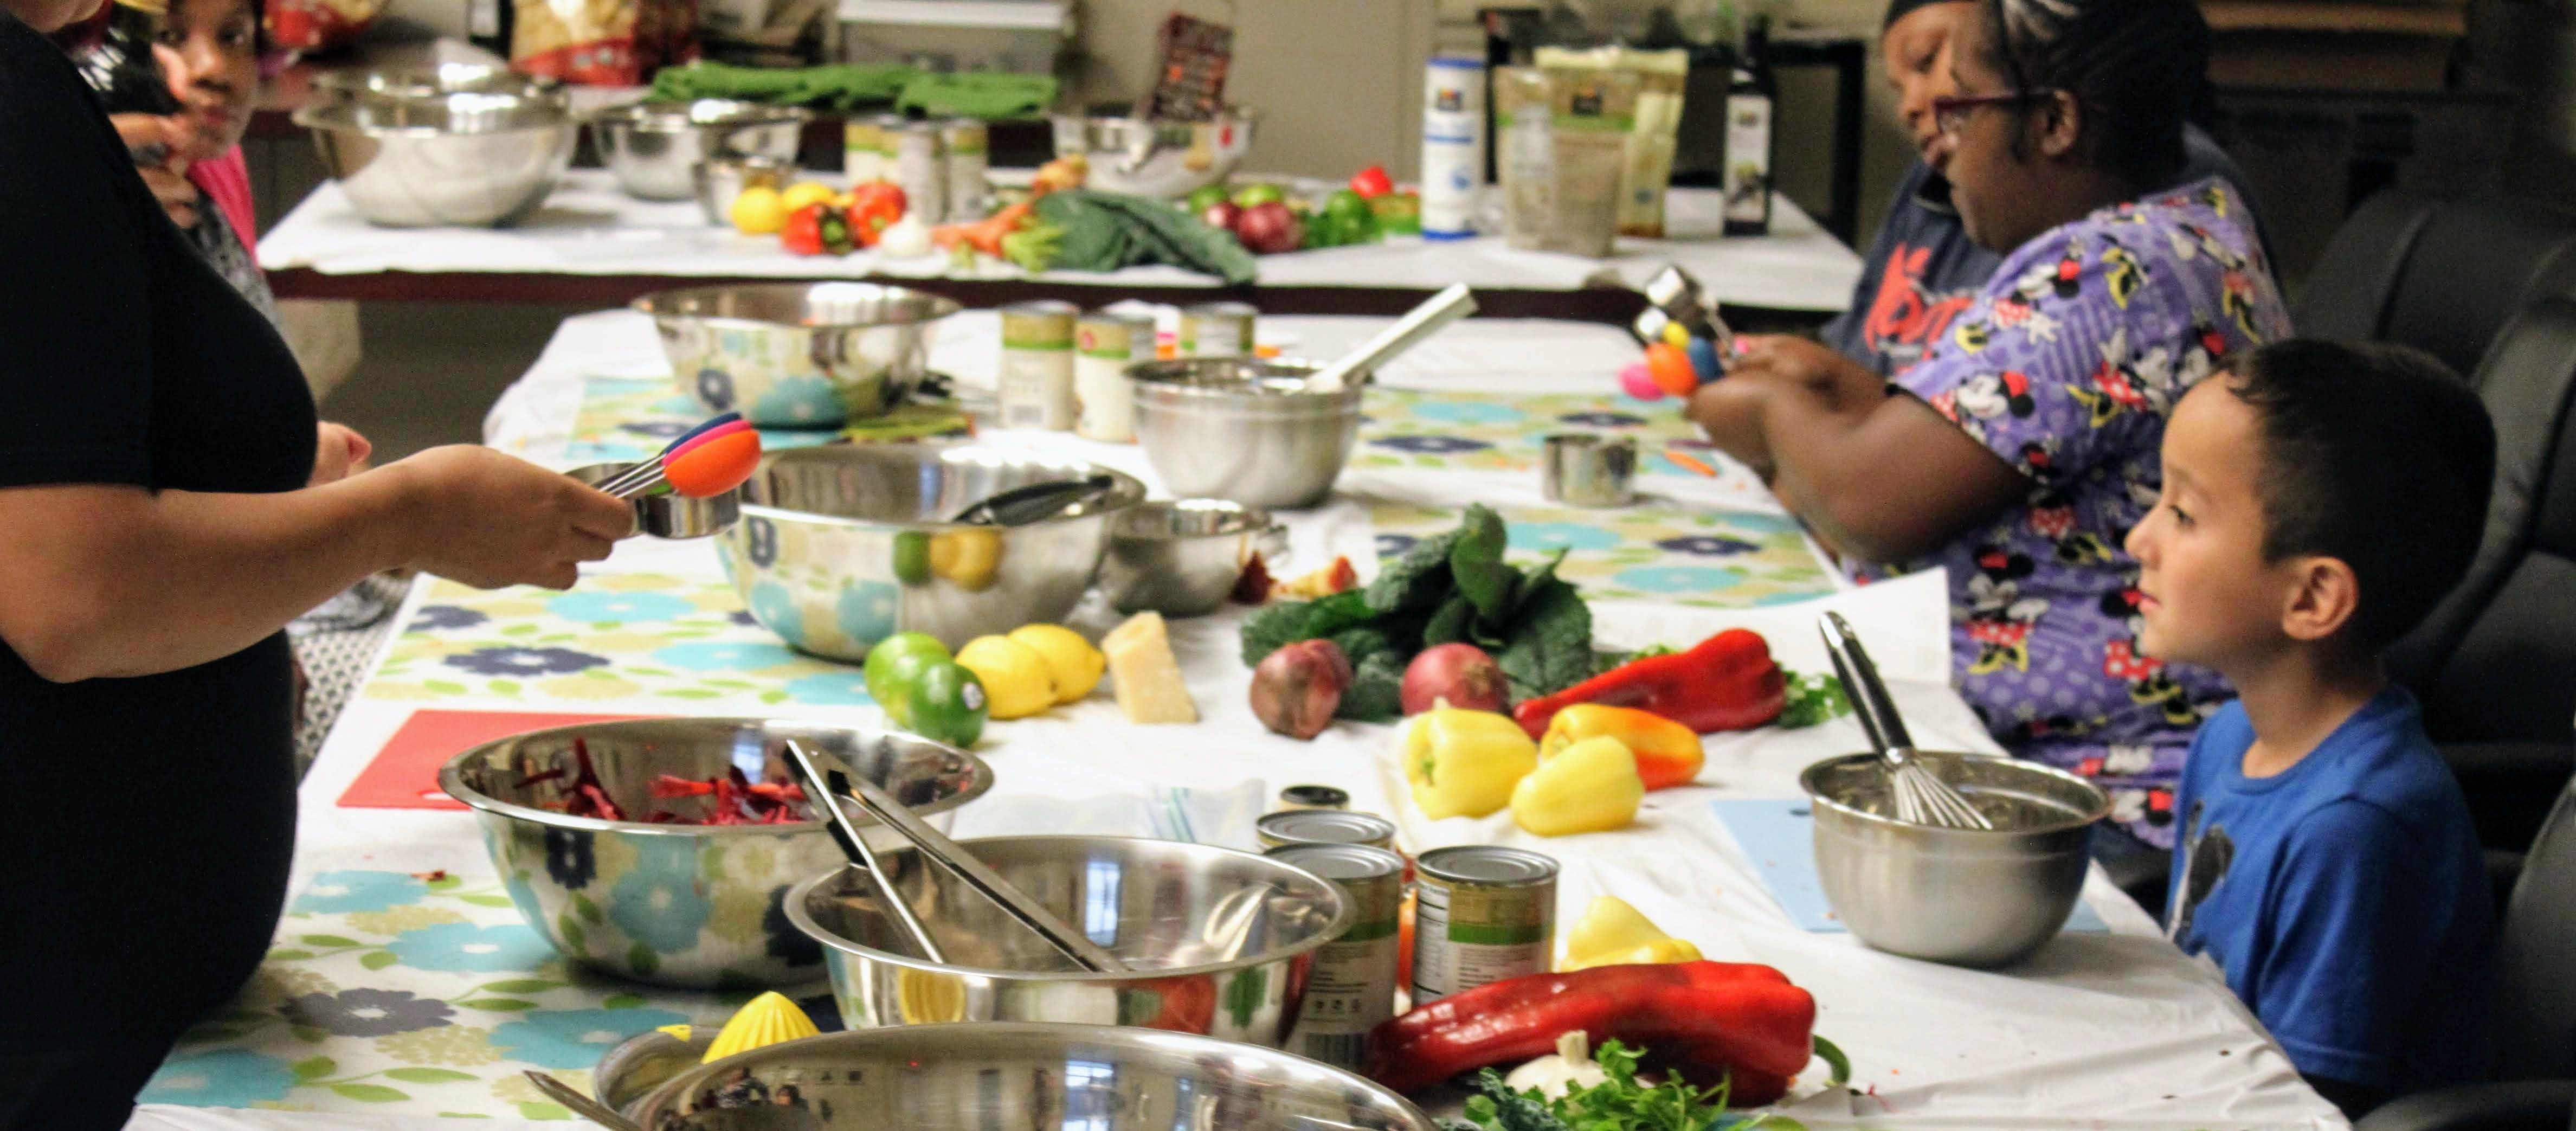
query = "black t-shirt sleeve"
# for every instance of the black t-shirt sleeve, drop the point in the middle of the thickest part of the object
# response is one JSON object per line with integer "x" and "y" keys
{"x": 75, "y": 325}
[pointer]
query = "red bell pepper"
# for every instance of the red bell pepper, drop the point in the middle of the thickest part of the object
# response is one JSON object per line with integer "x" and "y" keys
{"x": 1703, "y": 1021}
{"x": 1372, "y": 182}
{"x": 1726, "y": 682}
{"x": 874, "y": 207}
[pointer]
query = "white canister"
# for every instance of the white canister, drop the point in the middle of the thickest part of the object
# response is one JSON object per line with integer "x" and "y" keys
{"x": 1105, "y": 343}
{"x": 1453, "y": 146}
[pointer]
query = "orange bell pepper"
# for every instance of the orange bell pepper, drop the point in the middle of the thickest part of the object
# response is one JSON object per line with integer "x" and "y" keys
{"x": 1668, "y": 753}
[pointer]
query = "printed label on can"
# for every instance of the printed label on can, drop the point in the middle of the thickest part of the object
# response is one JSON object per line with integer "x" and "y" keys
{"x": 863, "y": 151}
{"x": 1035, "y": 387}
{"x": 1465, "y": 935}
{"x": 1216, "y": 332}
{"x": 1351, "y": 990}
{"x": 921, "y": 171}
{"x": 965, "y": 142}
{"x": 1104, "y": 406}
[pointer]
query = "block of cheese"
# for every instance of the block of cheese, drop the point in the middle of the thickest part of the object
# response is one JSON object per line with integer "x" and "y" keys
{"x": 1143, "y": 673}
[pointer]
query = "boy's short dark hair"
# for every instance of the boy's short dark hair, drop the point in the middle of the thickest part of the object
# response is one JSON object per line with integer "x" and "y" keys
{"x": 2377, "y": 455}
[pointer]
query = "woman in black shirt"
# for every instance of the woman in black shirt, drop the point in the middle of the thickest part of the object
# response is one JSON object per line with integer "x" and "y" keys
{"x": 156, "y": 532}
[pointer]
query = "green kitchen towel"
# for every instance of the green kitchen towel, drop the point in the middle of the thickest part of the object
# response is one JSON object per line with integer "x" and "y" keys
{"x": 986, "y": 95}
{"x": 841, "y": 87}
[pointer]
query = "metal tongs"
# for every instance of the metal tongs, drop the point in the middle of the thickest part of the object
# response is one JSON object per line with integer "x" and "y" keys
{"x": 825, "y": 790}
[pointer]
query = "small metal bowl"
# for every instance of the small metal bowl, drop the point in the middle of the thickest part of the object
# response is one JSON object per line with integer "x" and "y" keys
{"x": 1967, "y": 897}
{"x": 1245, "y": 431}
{"x": 692, "y": 906}
{"x": 719, "y": 180}
{"x": 674, "y": 515}
{"x": 653, "y": 148}
{"x": 1182, "y": 558}
{"x": 1219, "y": 942}
{"x": 1164, "y": 159}
{"x": 1021, "y": 1078}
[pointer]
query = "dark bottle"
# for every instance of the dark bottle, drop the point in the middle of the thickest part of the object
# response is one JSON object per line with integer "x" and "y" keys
{"x": 1750, "y": 140}
{"x": 488, "y": 25}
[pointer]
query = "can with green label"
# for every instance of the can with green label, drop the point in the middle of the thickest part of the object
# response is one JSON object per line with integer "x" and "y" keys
{"x": 967, "y": 144}
{"x": 1035, "y": 386}
{"x": 863, "y": 150}
{"x": 1481, "y": 914}
{"x": 1352, "y": 987}
{"x": 1218, "y": 329}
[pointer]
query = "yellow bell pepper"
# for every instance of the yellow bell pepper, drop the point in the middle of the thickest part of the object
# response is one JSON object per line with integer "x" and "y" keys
{"x": 1464, "y": 763}
{"x": 1655, "y": 953}
{"x": 1589, "y": 787}
{"x": 1613, "y": 933}
{"x": 1668, "y": 753}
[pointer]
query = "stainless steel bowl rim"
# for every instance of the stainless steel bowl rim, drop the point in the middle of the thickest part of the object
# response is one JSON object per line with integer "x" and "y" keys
{"x": 683, "y": 116}
{"x": 1127, "y": 485}
{"x": 804, "y": 921}
{"x": 1239, "y": 520}
{"x": 660, "y": 1098}
{"x": 941, "y": 306}
{"x": 335, "y": 117}
{"x": 1166, "y": 378}
{"x": 451, "y": 777}
{"x": 2101, "y": 800}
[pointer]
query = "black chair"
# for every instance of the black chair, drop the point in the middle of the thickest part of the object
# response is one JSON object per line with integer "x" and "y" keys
{"x": 2495, "y": 663}
{"x": 2534, "y": 1029}
{"x": 2442, "y": 276}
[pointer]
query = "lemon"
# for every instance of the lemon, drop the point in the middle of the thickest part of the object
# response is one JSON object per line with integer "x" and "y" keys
{"x": 759, "y": 211}
{"x": 1016, "y": 680}
{"x": 1071, "y": 660}
{"x": 802, "y": 193}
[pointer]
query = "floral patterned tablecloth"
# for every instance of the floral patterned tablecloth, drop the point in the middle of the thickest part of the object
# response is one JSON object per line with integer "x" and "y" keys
{"x": 414, "y": 994}
{"x": 631, "y": 636}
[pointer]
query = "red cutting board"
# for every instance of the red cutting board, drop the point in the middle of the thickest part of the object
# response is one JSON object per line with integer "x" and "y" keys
{"x": 405, "y": 773}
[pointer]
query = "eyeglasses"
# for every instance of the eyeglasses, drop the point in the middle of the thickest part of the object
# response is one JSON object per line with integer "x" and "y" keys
{"x": 1950, "y": 113}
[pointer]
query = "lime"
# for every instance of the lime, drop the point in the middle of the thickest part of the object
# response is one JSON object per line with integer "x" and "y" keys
{"x": 912, "y": 557}
{"x": 895, "y": 662}
{"x": 946, "y": 704}
{"x": 1251, "y": 195}
{"x": 1207, "y": 196}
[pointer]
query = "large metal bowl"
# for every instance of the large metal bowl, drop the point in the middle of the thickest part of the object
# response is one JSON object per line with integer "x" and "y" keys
{"x": 1163, "y": 159}
{"x": 797, "y": 355}
{"x": 845, "y": 545}
{"x": 694, "y": 906}
{"x": 1968, "y": 897}
{"x": 1183, "y": 558}
{"x": 1245, "y": 431}
{"x": 1021, "y": 1078}
{"x": 424, "y": 149}
{"x": 1219, "y": 941}
{"x": 654, "y": 147}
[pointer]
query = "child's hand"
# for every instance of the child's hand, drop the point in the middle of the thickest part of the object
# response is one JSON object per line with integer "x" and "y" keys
{"x": 338, "y": 453}
{"x": 156, "y": 143}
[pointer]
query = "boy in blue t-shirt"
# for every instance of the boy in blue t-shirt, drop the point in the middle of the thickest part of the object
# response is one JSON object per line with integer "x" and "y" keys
{"x": 2318, "y": 499}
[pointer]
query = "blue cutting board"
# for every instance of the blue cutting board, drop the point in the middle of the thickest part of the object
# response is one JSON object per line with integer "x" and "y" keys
{"x": 1779, "y": 837}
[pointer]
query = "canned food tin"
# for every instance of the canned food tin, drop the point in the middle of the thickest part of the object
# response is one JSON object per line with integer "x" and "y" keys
{"x": 1104, "y": 345}
{"x": 1218, "y": 329}
{"x": 1035, "y": 386}
{"x": 920, "y": 169}
{"x": 1482, "y": 914}
{"x": 966, "y": 144}
{"x": 1352, "y": 987}
{"x": 1314, "y": 797}
{"x": 1324, "y": 826}
{"x": 863, "y": 150}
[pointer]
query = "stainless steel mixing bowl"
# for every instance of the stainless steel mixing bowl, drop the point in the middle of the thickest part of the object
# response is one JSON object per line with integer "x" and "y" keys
{"x": 1182, "y": 558}
{"x": 1245, "y": 431}
{"x": 1163, "y": 159}
{"x": 415, "y": 150}
{"x": 845, "y": 545}
{"x": 417, "y": 83}
{"x": 720, "y": 179}
{"x": 654, "y": 147}
{"x": 797, "y": 355}
{"x": 681, "y": 905}
{"x": 1220, "y": 941}
{"x": 1968, "y": 897}
{"x": 1021, "y": 1078}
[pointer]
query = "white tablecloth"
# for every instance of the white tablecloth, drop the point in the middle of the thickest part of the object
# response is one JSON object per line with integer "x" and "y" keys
{"x": 2113, "y": 1030}
{"x": 588, "y": 227}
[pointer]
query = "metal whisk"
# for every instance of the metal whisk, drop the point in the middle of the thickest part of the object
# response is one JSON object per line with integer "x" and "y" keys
{"x": 1921, "y": 797}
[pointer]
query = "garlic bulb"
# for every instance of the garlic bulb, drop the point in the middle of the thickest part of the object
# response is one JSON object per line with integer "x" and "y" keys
{"x": 1570, "y": 1069}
